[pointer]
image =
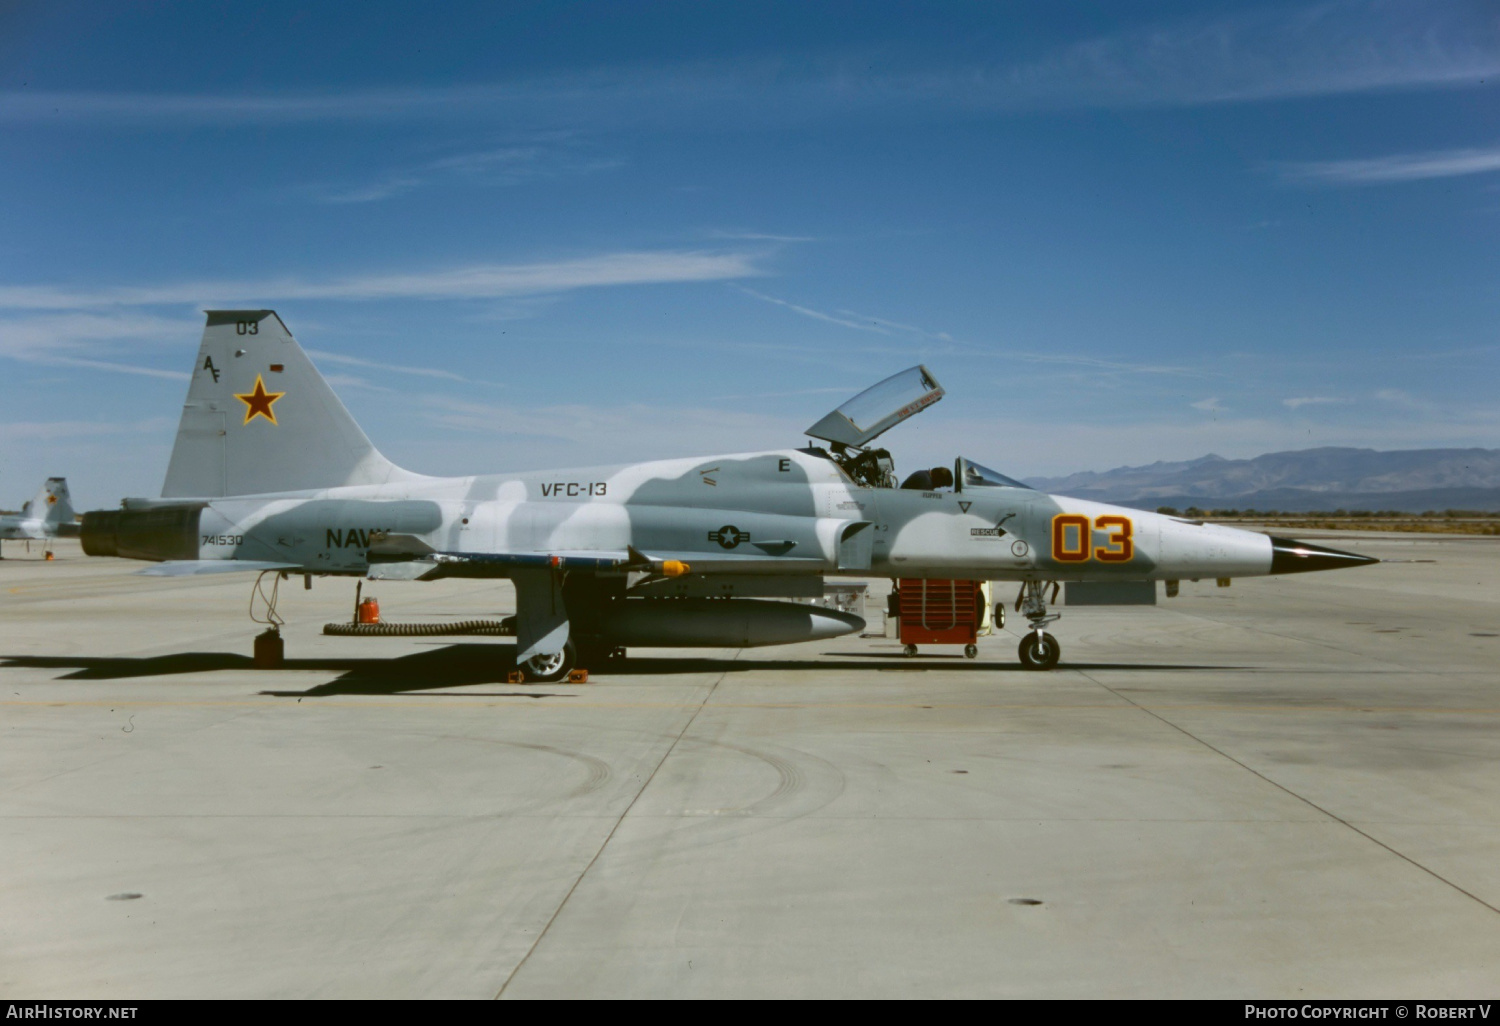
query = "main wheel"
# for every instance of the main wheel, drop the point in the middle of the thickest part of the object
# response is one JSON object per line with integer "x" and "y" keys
{"x": 971, "y": 651}
{"x": 546, "y": 668}
{"x": 1039, "y": 651}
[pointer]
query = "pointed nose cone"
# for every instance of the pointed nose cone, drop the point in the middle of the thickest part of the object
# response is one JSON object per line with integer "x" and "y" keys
{"x": 1298, "y": 557}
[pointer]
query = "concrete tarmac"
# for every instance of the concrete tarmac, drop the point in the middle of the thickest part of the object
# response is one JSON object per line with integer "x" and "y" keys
{"x": 1289, "y": 788}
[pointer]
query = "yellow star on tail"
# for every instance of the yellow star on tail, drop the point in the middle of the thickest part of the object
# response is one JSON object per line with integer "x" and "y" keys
{"x": 258, "y": 403}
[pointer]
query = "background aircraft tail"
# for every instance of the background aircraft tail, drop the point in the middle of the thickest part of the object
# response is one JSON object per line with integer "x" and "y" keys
{"x": 260, "y": 418}
{"x": 52, "y": 503}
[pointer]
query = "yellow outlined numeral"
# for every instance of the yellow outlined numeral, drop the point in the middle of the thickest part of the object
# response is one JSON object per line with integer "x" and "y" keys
{"x": 1121, "y": 545}
{"x": 1062, "y": 551}
{"x": 1072, "y": 546}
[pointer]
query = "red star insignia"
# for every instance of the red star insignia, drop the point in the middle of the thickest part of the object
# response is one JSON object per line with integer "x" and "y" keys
{"x": 258, "y": 403}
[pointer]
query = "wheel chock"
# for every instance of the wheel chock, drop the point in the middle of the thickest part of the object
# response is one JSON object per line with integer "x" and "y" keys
{"x": 578, "y": 676}
{"x": 515, "y": 677}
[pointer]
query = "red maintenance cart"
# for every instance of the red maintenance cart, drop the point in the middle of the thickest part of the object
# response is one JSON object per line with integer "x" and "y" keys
{"x": 941, "y": 612}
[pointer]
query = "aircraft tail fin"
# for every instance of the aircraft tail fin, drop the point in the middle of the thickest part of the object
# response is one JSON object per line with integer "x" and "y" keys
{"x": 260, "y": 418}
{"x": 52, "y": 504}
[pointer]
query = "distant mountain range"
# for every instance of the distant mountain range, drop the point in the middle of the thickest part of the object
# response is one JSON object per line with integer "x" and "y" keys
{"x": 1410, "y": 480}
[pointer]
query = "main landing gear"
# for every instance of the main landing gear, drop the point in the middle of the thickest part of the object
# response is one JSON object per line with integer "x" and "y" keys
{"x": 1039, "y": 650}
{"x": 549, "y": 667}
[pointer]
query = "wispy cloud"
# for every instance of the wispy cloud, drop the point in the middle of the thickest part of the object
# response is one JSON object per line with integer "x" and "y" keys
{"x": 87, "y": 340}
{"x": 1210, "y": 405}
{"x": 55, "y": 430}
{"x": 324, "y": 356}
{"x": 570, "y": 434}
{"x": 758, "y": 236}
{"x": 842, "y": 390}
{"x": 110, "y": 365}
{"x": 1331, "y": 48}
{"x": 1297, "y": 402}
{"x": 818, "y": 315}
{"x": 481, "y": 281}
{"x": 354, "y": 381}
{"x": 944, "y": 342}
{"x": 506, "y": 165}
{"x": 1328, "y": 48}
{"x": 50, "y": 333}
{"x": 1404, "y": 167}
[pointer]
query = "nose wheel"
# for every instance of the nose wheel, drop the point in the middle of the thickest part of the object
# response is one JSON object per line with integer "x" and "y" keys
{"x": 1039, "y": 650}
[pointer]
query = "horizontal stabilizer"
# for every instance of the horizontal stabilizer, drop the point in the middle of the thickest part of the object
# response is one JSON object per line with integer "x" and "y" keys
{"x": 195, "y": 567}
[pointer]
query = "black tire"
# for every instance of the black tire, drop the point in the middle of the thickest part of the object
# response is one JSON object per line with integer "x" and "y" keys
{"x": 546, "y": 669}
{"x": 1039, "y": 652}
{"x": 909, "y": 651}
{"x": 971, "y": 651}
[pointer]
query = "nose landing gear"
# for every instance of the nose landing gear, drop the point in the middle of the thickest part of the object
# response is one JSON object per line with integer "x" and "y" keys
{"x": 1039, "y": 650}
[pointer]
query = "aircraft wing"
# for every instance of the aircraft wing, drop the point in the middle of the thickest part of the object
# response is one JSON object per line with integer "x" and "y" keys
{"x": 195, "y": 567}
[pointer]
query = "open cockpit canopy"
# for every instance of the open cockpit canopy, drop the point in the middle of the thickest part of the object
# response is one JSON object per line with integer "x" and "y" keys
{"x": 879, "y": 408}
{"x": 853, "y": 426}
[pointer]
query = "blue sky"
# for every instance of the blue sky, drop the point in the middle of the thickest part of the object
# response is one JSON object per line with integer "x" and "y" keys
{"x": 521, "y": 235}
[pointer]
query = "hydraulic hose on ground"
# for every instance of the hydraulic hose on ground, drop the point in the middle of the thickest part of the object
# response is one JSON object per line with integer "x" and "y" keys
{"x": 498, "y": 628}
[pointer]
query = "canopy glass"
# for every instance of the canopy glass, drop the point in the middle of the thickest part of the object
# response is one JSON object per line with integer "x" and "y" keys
{"x": 879, "y": 408}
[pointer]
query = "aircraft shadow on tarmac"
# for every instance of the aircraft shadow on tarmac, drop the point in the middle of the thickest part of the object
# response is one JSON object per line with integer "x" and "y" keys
{"x": 463, "y": 665}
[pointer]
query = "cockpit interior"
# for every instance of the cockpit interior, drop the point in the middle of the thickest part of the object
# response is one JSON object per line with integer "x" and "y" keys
{"x": 851, "y": 428}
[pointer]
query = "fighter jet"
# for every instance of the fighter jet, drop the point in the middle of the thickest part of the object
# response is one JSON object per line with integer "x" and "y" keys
{"x": 48, "y": 516}
{"x": 270, "y": 473}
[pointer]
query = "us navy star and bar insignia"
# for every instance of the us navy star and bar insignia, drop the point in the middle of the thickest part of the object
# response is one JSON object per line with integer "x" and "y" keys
{"x": 259, "y": 402}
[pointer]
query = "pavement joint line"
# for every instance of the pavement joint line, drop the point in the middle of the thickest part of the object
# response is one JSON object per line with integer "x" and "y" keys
{"x": 1303, "y": 799}
{"x": 664, "y": 816}
{"x": 352, "y": 702}
{"x": 655, "y": 770}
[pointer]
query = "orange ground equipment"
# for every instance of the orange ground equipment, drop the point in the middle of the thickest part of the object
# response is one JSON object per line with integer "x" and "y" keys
{"x": 940, "y": 612}
{"x": 369, "y": 611}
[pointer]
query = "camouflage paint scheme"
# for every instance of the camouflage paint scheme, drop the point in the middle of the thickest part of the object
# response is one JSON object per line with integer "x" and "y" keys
{"x": 281, "y": 478}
